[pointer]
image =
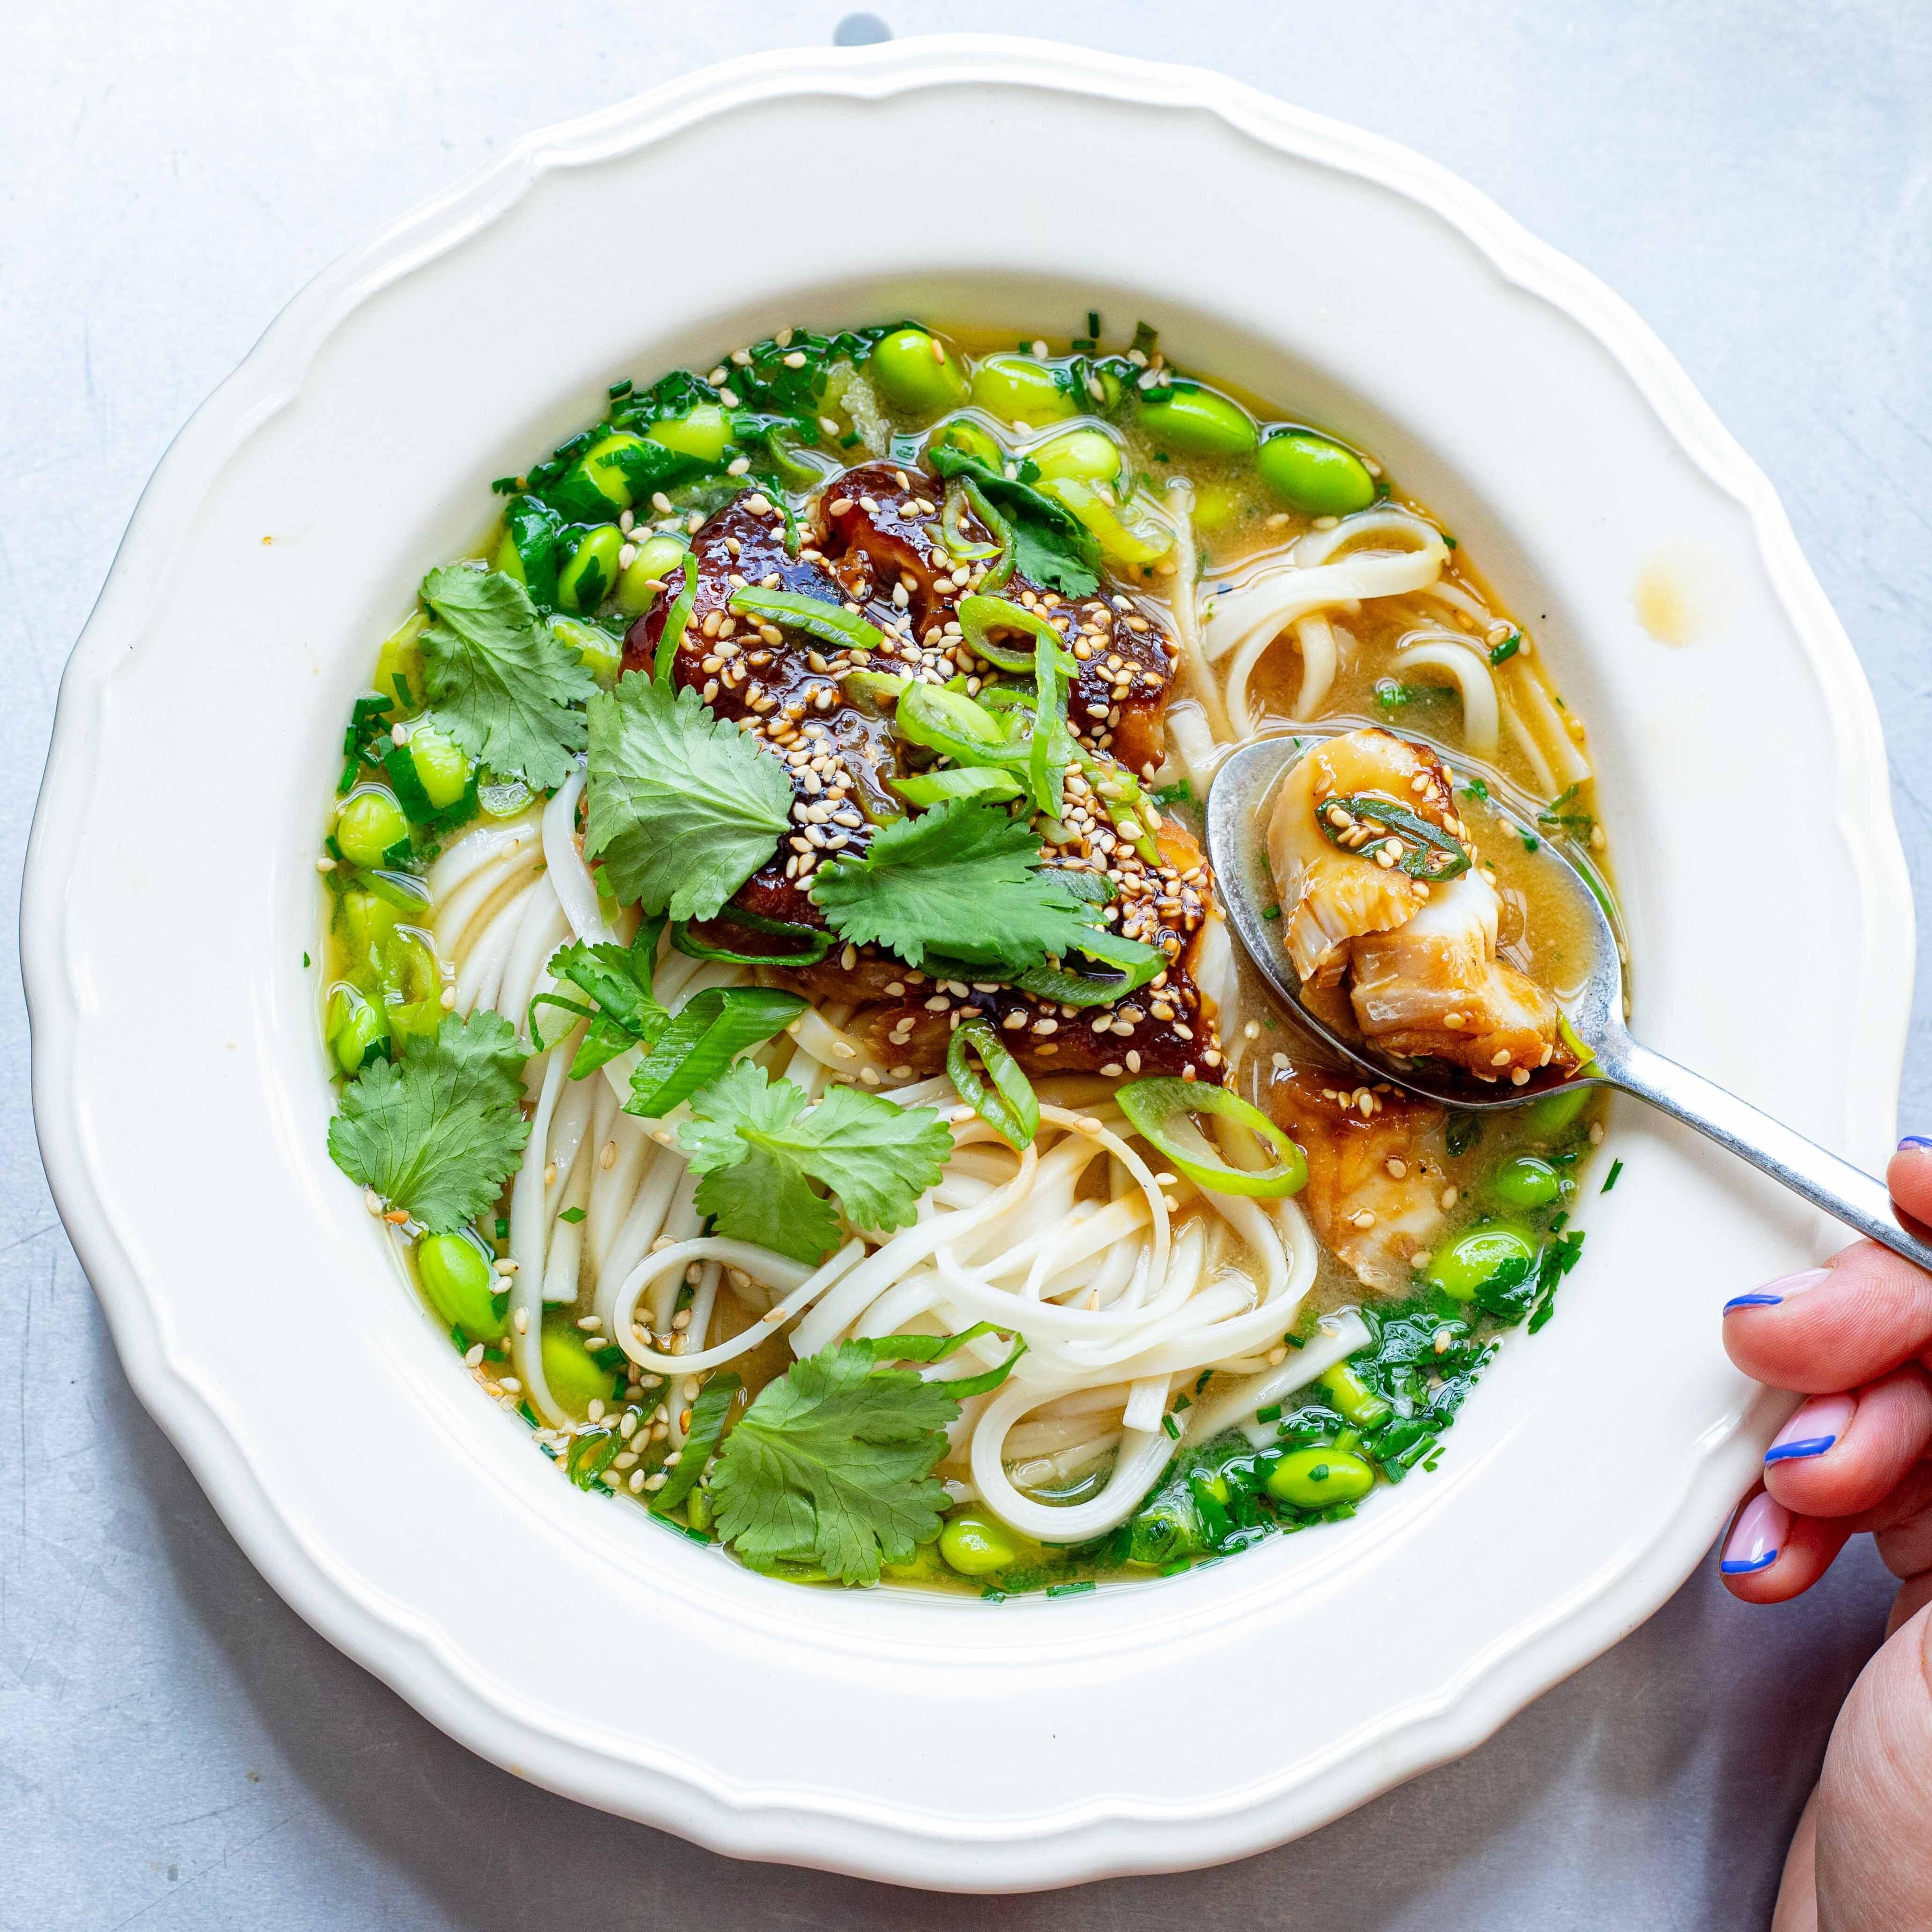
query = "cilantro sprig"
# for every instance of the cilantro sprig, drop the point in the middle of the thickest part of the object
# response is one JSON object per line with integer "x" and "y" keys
{"x": 501, "y": 684}
{"x": 438, "y": 1133}
{"x": 834, "y": 1462}
{"x": 760, "y": 1150}
{"x": 965, "y": 880}
{"x": 683, "y": 808}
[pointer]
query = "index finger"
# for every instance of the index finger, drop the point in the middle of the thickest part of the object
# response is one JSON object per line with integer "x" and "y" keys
{"x": 1858, "y": 1317}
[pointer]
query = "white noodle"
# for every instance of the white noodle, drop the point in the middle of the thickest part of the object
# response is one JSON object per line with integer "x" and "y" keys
{"x": 1468, "y": 668}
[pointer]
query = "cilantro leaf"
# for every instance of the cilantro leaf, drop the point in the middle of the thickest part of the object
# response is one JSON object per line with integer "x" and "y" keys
{"x": 503, "y": 685}
{"x": 1051, "y": 546}
{"x": 683, "y": 808}
{"x": 964, "y": 880}
{"x": 438, "y": 1133}
{"x": 759, "y": 1149}
{"x": 836, "y": 1461}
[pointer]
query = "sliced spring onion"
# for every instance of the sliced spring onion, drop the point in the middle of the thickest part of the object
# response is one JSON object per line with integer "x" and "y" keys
{"x": 1124, "y": 800}
{"x": 980, "y": 613}
{"x": 1428, "y": 852}
{"x": 981, "y": 782}
{"x": 878, "y": 688}
{"x": 701, "y": 1040}
{"x": 1159, "y": 1109}
{"x": 936, "y": 1347}
{"x": 819, "y": 944}
{"x": 707, "y": 1424}
{"x": 958, "y": 543}
{"x": 828, "y": 622}
{"x": 1586, "y": 1058}
{"x": 998, "y": 573}
{"x": 1009, "y": 1106}
{"x": 951, "y": 723}
{"x": 675, "y": 619}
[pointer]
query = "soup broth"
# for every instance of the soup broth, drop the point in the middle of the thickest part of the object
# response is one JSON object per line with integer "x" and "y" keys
{"x": 784, "y": 1015}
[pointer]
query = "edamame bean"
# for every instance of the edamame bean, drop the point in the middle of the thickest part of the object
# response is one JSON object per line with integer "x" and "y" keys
{"x": 1474, "y": 1258}
{"x": 656, "y": 558}
{"x": 975, "y": 1545}
{"x": 1318, "y": 1478}
{"x": 1084, "y": 455}
{"x": 916, "y": 372}
{"x": 965, "y": 435}
{"x": 1350, "y": 1396}
{"x": 357, "y": 1029}
{"x": 462, "y": 1286}
{"x": 603, "y": 467}
{"x": 1187, "y": 420}
{"x": 1015, "y": 388}
{"x": 574, "y": 1379}
{"x": 591, "y": 570}
{"x": 368, "y": 825}
{"x": 441, "y": 765}
{"x": 1314, "y": 473}
{"x": 704, "y": 433}
{"x": 1549, "y": 1116}
{"x": 1216, "y": 506}
{"x": 601, "y": 655}
{"x": 1526, "y": 1182}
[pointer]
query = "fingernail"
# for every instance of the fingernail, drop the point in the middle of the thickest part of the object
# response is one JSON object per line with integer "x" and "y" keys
{"x": 1816, "y": 1426}
{"x": 1914, "y": 1141}
{"x": 1756, "y": 1537}
{"x": 1782, "y": 1289}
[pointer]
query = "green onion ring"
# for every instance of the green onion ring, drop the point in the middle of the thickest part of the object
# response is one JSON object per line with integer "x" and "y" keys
{"x": 1152, "y": 1106}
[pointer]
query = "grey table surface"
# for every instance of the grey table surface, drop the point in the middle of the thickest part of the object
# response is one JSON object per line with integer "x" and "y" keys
{"x": 177, "y": 1749}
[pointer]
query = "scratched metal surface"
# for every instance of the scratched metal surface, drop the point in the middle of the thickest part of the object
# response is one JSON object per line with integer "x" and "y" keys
{"x": 177, "y": 1750}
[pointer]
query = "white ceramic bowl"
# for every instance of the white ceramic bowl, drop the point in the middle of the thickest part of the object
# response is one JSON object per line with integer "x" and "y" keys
{"x": 180, "y": 1090}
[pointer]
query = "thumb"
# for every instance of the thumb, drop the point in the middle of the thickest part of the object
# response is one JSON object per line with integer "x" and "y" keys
{"x": 1873, "y": 1858}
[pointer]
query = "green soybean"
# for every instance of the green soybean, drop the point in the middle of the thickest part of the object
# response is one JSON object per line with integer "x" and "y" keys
{"x": 916, "y": 372}
{"x": 1526, "y": 1182}
{"x": 704, "y": 433}
{"x": 1017, "y": 389}
{"x": 602, "y": 467}
{"x": 357, "y": 1028}
{"x": 441, "y": 765}
{"x": 574, "y": 1379}
{"x": 1475, "y": 1258}
{"x": 462, "y": 1286}
{"x": 368, "y": 825}
{"x": 1315, "y": 474}
{"x": 964, "y": 434}
{"x": 643, "y": 576}
{"x": 975, "y": 1545}
{"x": 1350, "y": 1396}
{"x": 1317, "y": 1478}
{"x": 1549, "y": 1116}
{"x": 592, "y": 568}
{"x": 1187, "y": 420}
{"x": 1080, "y": 455}
{"x": 601, "y": 655}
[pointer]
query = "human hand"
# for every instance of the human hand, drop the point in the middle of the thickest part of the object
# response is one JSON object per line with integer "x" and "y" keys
{"x": 1855, "y": 1338}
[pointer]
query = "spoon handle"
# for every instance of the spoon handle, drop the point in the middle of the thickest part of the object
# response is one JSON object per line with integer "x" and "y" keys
{"x": 1846, "y": 1192}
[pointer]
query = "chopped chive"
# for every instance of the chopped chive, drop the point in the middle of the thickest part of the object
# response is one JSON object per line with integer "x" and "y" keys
{"x": 1173, "y": 1428}
{"x": 1271, "y": 912}
{"x": 1071, "y": 1589}
{"x": 502, "y": 1228}
{"x": 1093, "y": 323}
{"x": 304, "y": 960}
{"x": 1610, "y": 1179}
{"x": 1531, "y": 842}
{"x": 1295, "y": 1341}
{"x": 1272, "y": 1413}
{"x": 1507, "y": 649}
{"x": 573, "y": 1215}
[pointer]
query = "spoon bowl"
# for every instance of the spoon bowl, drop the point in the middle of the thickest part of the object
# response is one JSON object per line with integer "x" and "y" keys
{"x": 1593, "y": 1007}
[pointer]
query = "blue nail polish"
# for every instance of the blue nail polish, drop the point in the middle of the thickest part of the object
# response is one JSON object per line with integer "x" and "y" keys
{"x": 1753, "y": 1301}
{"x": 1914, "y": 1141}
{"x": 1796, "y": 1452}
{"x": 1748, "y": 1566}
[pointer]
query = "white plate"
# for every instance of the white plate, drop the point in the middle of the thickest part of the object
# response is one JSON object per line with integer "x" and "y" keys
{"x": 180, "y": 1089}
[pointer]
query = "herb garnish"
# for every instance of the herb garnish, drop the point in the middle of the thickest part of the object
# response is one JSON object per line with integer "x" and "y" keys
{"x": 1051, "y": 546}
{"x": 683, "y": 808}
{"x": 503, "y": 686}
{"x": 1560, "y": 814}
{"x": 760, "y": 1148}
{"x": 439, "y": 1134}
{"x": 1427, "y": 852}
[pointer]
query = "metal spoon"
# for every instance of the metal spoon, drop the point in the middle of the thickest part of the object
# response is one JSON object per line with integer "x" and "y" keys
{"x": 1237, "y": 802}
